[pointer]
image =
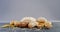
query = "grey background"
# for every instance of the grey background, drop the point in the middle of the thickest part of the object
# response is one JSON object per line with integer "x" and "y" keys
{"x": 17, "y": 9}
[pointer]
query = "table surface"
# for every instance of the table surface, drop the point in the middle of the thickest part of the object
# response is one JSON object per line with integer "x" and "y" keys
{"x": 55, "y": 28}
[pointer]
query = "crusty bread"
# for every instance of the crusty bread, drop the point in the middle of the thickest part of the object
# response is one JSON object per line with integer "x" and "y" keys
{"x": 43, "y": 22}
{"x": 42, "y": 19}
{"x": 30, "y": 22}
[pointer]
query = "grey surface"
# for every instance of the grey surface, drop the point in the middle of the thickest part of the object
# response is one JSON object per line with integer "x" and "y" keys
{"x": 17, "y": 9}
{"x": 55, "y": 28}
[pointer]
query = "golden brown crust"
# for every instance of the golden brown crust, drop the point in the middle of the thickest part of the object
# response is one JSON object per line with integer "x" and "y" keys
{"x": 24, "y": 24}
{"x": 29, "y": 22}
